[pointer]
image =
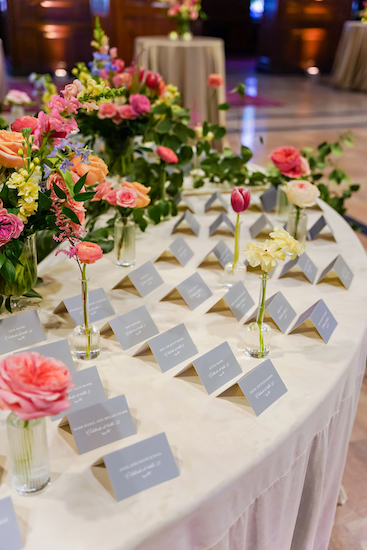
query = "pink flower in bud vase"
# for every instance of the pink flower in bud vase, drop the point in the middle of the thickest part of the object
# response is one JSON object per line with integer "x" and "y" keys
{"x": 88, "y": 253}
{"x": 140, "y": 104}
{"x": 10, "y": 226}
{"x": 124, "y": 197}
{"x": 167, "y": 155}
{"x": 24, "y": 122}
{"x": 240, "y": 199}
{"x": 215, "y": 80}
{"x": 285, "y": 158}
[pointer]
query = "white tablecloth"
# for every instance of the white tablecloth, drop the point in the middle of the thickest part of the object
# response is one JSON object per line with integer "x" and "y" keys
{"x": 350, "y": 65}
{"x": 246, "y": 483}
{"x": 187, "y": 65}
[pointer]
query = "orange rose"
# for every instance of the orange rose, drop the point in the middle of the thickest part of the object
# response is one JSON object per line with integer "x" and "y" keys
{"x": 97, "y": 169}
{"x": 10, "y": 143}
{"x": 141, "y": 190}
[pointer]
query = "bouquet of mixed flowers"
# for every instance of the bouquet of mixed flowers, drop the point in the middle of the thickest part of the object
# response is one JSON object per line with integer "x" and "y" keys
{"x": 184, "y": 11}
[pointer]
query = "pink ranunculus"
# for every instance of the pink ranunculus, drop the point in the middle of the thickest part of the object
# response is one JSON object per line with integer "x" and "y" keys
{"x": 24, "y": 122}
{"x": 140, "y": 104}
{"x": 113, "y": 53}
{"x": 285, "y": 158}
{"x": 215, "y": 80}
{"x": 167, "y": 155}
{"x": 126, "y": 111}
{"x": 152, "y": 80}
{"x": 122, "y": 79}
{"x": 10, "y": 226}
{"x": 119, "y": 65}
{"x": 101, "y": 190}
{"x": 72, "y": 90}
{"x": 240, "y": 199}
{"x": 33, "y": 386}
{"x": 88, "y": 253}
{"x": 107, "y": 110}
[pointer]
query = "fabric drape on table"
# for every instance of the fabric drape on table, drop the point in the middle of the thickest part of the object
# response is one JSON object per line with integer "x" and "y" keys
{"x": 350, "y": 66}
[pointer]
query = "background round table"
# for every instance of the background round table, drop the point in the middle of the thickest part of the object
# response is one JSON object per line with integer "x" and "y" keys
{"x": 246, "y": 482}
{"x": 187, "y": 64}
{"x": 350, "y": 65}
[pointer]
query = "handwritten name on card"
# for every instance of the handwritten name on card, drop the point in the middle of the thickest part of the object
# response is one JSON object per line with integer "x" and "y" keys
{"x": 322, "y": 319}
{"x": 145, "y": 279}
{"x": 19, "y": 331}
{"x": 181, "y": 250}
{"x": 99, "y": 306}
{"x": 172, "y": 347}
{"x": 133, "y": 327}
{"x": 194, "y": 291}
{"x": 238, "y": 300}
{"x": 217, "y": 367}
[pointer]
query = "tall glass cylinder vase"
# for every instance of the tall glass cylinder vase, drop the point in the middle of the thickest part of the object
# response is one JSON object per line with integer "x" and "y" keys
{"x": 283, "y": 206}
{"x": 16, "y": 111}
{"x": 124, "y": 241}
{"x": 120, "y": 156}
{"x": 86, "y": 337}
{"x": 297, "y": 223}
{"x": 258, "y": 333}
{"x": 235, "y": 271}
{"x": 28, "y": 454}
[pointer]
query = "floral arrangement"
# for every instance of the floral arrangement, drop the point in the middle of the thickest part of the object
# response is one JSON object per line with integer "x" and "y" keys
{"x": 363, "y": 13}
{"x": 17, "y": 97}
{"x": 184, "y": 11}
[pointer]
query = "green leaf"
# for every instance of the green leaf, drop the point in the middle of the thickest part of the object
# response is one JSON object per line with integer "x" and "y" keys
{"x": 160, "y": 109}
{"x": 8, "y": 271}
{"x": 261, "y": 139}
{"x": 8, "y": 304}
{"x": 32, "y": 294}
{"x": 154, "y": 213}
{"x": 354, "y": 188}
{"x": 164, "y": 126}
{"x": 185, "y": 155}
{"x": 44, "y": 202}
{"x": 205, "y": 129}
{"x": 220, "y": 133}
{"x": 82, "y": 197}
{"x": 68, "y": 181}
{"x": 180, "y": 130}
{"x": 223, "y": 107}
{"x": 336, "y": 149}
{"x": 246, "y": 153}
{"x": 59, "y": 192}
{"x": 164, "y": 208}
{"x": 71, "y": 215}
{"x": 2, "y": 260}
{"x": 80, "y": 183}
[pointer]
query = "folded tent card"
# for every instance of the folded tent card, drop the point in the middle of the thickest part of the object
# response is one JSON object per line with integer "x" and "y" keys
{"x": 21, "y": 330}
{"x": 216, "y": 202}
{"x": 10, "y": 537}
{"x": 183, "y": 203}
{"x": 222, "y": 219}
{"x": 144, "y": 280}
{"x": 280, "y": 310}
{"x": 99, "y": 307}
{"x": 305, "y": 264}
{"x": 237, "y": 301}
{"x": 261, "y": 223}
{"x": 269, "y": 199}
{"x": 187, "y": 222}
{"x": 193, "y": 291}
{"x": 321, "y": 318}
{"x": 138, "y": 467}
{"x": 318, "y": 226}
{"x": 59, "y": 350}
{"x": 132, "y": 328}
{"x": 222, "y": 253}
{"x": 178, "y": 249}
{"x": 340, "y": 267}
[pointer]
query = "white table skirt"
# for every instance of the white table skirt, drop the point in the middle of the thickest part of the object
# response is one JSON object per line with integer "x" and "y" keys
{"x": 246, "y": 482}
{"x": 350, "y": 65}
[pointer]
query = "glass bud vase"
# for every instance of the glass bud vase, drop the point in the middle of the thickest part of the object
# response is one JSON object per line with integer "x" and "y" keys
{"x": 233, "y": 275}
{"x": 297, "y": 224}
{"x": 258, "y": 333}
{"x": 16, "y": 111}
{"x": 124, "y": 242}
{"x": 86, "y": 337}
{"x": 282, "y": 207}
{"x": 28, "y": 454}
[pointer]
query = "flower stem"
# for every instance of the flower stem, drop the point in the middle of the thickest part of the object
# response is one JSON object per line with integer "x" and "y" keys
{"x": 260, "y": 315}
{"x": 236, "y": 243}
{"x": 298, "y": 211}
{"x": 163, "y": 180}
{"x": 85, "y": 311}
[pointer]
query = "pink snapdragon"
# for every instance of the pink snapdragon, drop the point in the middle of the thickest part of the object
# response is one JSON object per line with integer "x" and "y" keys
{"x": 53, "y": 125}
{"x": 72, "y": 90}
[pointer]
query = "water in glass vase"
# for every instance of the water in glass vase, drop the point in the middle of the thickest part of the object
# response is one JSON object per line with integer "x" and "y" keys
{"x": 124, "y": 242}
{"x": 86, "y": 342}
{"x": 258, "y": 333}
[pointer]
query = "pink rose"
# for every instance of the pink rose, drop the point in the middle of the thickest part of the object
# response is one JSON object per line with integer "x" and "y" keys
{"x": 152, "y": 80}
{"x": 301, "y": 169}
{"x": 140, "y": 104}
{"x": 24, "y": 122}
{"x": 107, "y": 110}
{"x": 215, "y": 80}
{"x": 101, "y": 190}
{"x": 124, "y": 197}
{"x": 285, "y": 158}
{"x": 167, "y": 155}
{"x": 10, "y": 226}
{"x": 240, "y": 199}
{"x": 194, "y": 15}
{"x": 33, "y": 386}
{"x": 119, "y": 65}
{"x": 122, "y": 79}
{"x": 126, "y": 111}
{"x": 174, "y": 10}
{"x": 113, "y": 53}
{"x": 301, "y": 193}
{"x": 88, "y": 253}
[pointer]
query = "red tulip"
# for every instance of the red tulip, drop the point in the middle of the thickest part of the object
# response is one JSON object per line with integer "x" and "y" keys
{"x": 152, "y": 80}
{"x": 240, "y": 199}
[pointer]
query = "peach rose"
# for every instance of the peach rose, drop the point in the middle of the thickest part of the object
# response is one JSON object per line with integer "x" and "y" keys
{"x": 88, "y": 253}
{"x": 24, "y": 122}
{"x": 101, "y": 190}
{"x": 10, "y": 143}
{"x": 33, "y": 386}
{"x": 123, "y": 197}
{"x": 107, "y": 110}
{"x": 141, "y": 191}
{"x": 97, "y": 169}
{"x": 122, "y": 79}
{"x": 301, "y": 193}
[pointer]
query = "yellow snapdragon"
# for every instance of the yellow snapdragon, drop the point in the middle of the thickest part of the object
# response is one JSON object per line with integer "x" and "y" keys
{"x": 27, "y": 186}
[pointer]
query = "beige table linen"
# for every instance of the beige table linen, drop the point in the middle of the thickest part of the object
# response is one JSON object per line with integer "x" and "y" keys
{"x": 246, "y": 483}
{"x": 187, "y": 65}
{"x": 350, "y": 65}
{"x": 3, "y": 81}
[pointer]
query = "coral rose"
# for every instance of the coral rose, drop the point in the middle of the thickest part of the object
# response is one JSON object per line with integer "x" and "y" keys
{"x": 97, "y": 169}
{"x": 10, "y": 226}
{"x": 301, "y": 169}
{"x": 285, "y": 158}
{"x": 88, "y": 253}
{"x": 123, "y": 197}
{"x": 33, "y": 386}
{"x": 102, "y": 189}
{"x": 122, "y": 79}
{"x": 301, "y": 193}
{"x": 10, "y": 143}
{"x": 140, "y": 104}
{"x": 126, "y": 112}
{"x": 167, "y": 154}
{"x": 240, "y": 199}
{"x": 106, "y": 110}
{"x": 24, "y": 122}
{"x": 215, "y": 80}
{"x": 141, "y": 191}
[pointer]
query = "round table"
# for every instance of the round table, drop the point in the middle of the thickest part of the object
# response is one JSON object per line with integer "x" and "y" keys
{"x": 350, "y": 65}
{"x": 187, "y": 64}
{"x": 246, "y": 482}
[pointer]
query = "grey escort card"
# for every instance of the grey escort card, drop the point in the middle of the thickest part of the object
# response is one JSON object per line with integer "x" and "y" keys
{"x": 318, "y": 226}
{"x": 145, "y": 279}
{"x": 217, "y": 367}
{"x": 340, "y": 267}
{"x": 280, "y": 311}
{"x": 87, "y": 391}
{"x": 305, "y": 264}
{"x": 99, "y": 306}
{"x": 237, "y": 300}
{"x": 181, "y": 200}
{"x": 140, "y": 466}
{"x": 259, "y": 225}
{"x": 269, "y": 199}
{"x": 322, "y": 319}
{"x": 222, "y": 218}
{"x": 58, "y": 350}
{"x": 194, "y": 291}
{"x": 188, "y": 218}
{"x": 222, "y": 252}
{"x": 19, "y": 331}
{"x": 132, "y": 327}
{"x": 262, "y": 386}
{"x": 181, "y": 250}
{"x": 10, "y": 538}
{"x": 172, "y": 347}
{"x": 216, "y": 199}
{"x": 101, "y": 424}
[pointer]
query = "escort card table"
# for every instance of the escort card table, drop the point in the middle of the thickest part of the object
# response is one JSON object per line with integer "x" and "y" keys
{"x": 350, "y": 65}
{"x": 187, "y": 64}
{"x": 245, "y": 482}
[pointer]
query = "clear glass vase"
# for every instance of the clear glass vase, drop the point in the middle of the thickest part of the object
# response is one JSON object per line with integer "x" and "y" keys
{"x": 297, "y": 223}
{"x": 258, "y": 333}
{"x": 120, "y": 156}
{"x": 124, "y": 242}
{"x": 86, "y": 337}
{"x": 282, "y": 207}
{"x": 28, "y": 454}
{"x": 183, "y": 27}
{"x": 25, "y": 273}
{"x": 16, "y": 111}
{"x": 233, "y": 275}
